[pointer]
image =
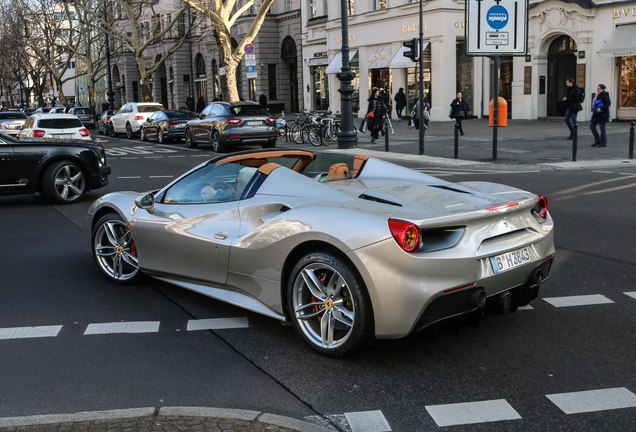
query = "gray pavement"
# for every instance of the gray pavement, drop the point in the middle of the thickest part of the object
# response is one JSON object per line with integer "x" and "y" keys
{"x": 523, "y": 143}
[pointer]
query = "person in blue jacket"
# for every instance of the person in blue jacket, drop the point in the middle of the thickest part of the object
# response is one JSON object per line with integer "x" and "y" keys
{"x": 600, "y": 116}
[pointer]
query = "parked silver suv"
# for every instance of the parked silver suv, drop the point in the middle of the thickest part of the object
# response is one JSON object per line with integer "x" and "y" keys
{"x": 84, "y": 114}
{"x": 131, "y": 116}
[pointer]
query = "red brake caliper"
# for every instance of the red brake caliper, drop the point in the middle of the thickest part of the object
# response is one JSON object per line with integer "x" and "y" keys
{"x": 315, "y": 299}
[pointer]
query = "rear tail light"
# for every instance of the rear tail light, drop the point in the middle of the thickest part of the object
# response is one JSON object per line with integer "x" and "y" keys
{"x": 38, "y": 133}
{"x": 0, "y": 126}
{"x": 406, "y": 234}
{"x": 139, "y": 118}
{"x": 172, "y": 123}
{"x": 271, "y": 119}
{"x": 84, "y": 132}
{"x": 541, "y": 209}
{"x": 233, "y": 121}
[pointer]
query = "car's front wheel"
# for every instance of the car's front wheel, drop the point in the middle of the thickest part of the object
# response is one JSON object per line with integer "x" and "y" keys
{"x": 329, "y": 304}
{"x": 142, "y": 134}
{"x": 115, "y": 251}
{"x": 111, "y": 131}
{"x": 64, "y": 182}
{"x": 189, "y": 140}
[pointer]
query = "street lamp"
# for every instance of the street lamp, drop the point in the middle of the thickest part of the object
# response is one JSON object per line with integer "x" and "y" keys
{"x": 109, "y": 92}
{"x": 347, "y": 138}
{"x": 15, "y": 71}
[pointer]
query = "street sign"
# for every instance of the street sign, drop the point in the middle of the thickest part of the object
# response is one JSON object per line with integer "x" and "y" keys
{"x": 250, "y": 57}
{"x": 251, "y": 69}
{"x": 496, "y": 27}
{"x": 251, "y": 75}
{"x": 249, "y": 49}
{"x": 249, "y": 62}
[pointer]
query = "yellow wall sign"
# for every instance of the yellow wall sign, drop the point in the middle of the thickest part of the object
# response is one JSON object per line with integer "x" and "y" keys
{"x": 624, "y": 12}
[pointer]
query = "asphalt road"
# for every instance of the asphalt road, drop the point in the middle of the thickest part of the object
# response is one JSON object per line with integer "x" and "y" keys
{"x": 542, "y": 368}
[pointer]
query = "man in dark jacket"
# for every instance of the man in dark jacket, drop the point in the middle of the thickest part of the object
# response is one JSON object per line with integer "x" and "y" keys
{"x": 600, "y": 115}
{"x": 574, "y": 106}
{"x": 400, "y": 102}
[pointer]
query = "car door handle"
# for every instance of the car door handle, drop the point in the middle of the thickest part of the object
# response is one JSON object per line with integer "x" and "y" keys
{"x": 220, "y": 235}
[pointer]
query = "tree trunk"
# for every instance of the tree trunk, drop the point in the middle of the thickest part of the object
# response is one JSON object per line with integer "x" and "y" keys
{"x": 229, "y": 88}
{"x": 60, "y": 91}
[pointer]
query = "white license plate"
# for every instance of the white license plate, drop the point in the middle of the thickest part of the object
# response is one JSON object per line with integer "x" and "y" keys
{"x": 62, "y": 136}
{"x": 254, "y": 123}
{"x": 510, "y": 260}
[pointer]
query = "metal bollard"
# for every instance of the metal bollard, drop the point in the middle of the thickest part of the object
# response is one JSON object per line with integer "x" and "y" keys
{"x": 631, "y": 141}
{"x": 386, "y": 137}
{"x": 575, "y": 134}
{"x": 456, "y": 140}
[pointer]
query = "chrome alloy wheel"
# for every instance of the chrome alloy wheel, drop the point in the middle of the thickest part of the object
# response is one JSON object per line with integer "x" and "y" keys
{"x": 69, "y": 182}
{"x": 115, "y": 250}
{"x": 323, "y": 305}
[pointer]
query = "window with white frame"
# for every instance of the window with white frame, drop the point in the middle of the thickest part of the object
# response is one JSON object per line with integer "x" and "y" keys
{"x": 351, "y": 10}
{"x": 289, "y": 5}
{"x": 379, "y": 4}
{"x": 313, "y": 12}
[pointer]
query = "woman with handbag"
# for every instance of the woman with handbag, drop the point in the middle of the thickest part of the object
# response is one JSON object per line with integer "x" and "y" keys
{"x": 459, "y": 110}
{"x": 376, "y": 113}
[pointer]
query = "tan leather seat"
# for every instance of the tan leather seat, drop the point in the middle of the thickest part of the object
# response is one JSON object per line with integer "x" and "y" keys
{"x": 338, "y": 171}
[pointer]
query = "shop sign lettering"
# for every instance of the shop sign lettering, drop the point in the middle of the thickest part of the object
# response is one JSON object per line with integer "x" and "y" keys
{"x": 352, "y": 37}
{"x": 379, "y": 56}
{"x": 624, "y": 12}
{"x": 460, "y": 24}
{"x": 411, "y": 28}
{"x": 320, "y": 54}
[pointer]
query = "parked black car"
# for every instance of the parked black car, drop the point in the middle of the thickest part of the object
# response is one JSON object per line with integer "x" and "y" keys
{"x": 63, "y": 170}
{"x": 103, "y": 119}
{"x": 166, "y": 125}
{"x": 223, "y": 124}
{"x": 85, "y": 116}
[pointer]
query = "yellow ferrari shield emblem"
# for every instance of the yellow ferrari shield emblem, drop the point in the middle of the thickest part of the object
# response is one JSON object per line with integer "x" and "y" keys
{"x": 328, "y": 304}
{"x": 133, "y": 210}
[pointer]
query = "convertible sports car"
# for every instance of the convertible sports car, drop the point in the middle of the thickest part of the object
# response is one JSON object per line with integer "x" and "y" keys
{"x": 349, "y": 249}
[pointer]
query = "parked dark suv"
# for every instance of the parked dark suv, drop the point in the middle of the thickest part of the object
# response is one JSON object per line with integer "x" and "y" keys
{"x": 84, "y": 114}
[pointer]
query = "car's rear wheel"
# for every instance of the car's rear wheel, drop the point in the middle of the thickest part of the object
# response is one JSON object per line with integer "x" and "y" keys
{"x": 329, "y": 304}
{"x": 64, "y": 182}
{"x": 111, "y": 131}
{"x": 161, "y": 137}
{"x": 217, "y": 146}
{"x": 142, "y": 134}
{"x": 129, "y": 132}
{"x": 189, "y": 140}
{"x": 114, "y": 250}
{"x": 99, "y": 130}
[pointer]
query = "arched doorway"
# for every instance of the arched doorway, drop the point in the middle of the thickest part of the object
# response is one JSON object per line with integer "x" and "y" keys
{"x": 289, "y": 54}
{"x": 200, "y": 81}
{"x": 561, "y": 65}
{"x": 161, "y": 80}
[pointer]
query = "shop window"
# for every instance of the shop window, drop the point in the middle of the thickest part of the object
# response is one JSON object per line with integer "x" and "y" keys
{"x": 351, "y": 10}
{"x": 464, "y": 74}
{"x": 320, "y": 81}
{"x": 527, "y": 80}
{"x": 628, "y": 82}
{"x": 413, "y": 81}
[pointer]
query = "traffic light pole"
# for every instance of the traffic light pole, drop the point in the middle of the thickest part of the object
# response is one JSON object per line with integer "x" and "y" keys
{"x": 420, "y": 55}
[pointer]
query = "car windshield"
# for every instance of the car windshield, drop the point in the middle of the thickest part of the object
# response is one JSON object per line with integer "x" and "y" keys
{"x": 248, "y": 110}
{"x": 82, "y": 111}
{"x": 181, "y": 115}
{"x": 12, "y": 115}
{"x": 63, "y": 123}
{"x": 149, "y": 108}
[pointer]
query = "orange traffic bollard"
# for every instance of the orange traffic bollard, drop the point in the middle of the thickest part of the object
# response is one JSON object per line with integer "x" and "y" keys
{"x": 502, "y": 115}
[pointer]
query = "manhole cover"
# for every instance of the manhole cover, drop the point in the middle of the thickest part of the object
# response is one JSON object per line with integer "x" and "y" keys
{"x": 553, "y": 159}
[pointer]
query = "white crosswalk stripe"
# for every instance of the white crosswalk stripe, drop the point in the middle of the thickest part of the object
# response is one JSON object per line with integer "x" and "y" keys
{"x": 632, "y": 294}
{"x": 123, "y": 327}
{"x": 367, "y": 421}
{"x": 472, "y": 412}
{"x": 594, "y": 400}
{"x": 582, "y": 300}
{"x": 29, "y": 332}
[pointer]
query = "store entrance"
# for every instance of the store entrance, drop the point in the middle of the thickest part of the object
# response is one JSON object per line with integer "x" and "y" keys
{"x": 561, "y": 65}
{"x": 381, "y": 78}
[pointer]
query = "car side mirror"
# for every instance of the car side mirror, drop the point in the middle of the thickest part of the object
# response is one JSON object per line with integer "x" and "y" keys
{"x": 146, "y": 202}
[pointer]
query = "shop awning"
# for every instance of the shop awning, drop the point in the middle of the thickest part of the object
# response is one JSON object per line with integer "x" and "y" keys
{"x": 401, "y": 62}
{"x": 336, "y": 64}
{"x": 318, "y": 62}
{"x": 621, "y": 43}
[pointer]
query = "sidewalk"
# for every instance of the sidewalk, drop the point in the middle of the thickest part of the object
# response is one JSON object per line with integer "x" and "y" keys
{"x": 521, "y": 144}
{"x": 177, "y": 419}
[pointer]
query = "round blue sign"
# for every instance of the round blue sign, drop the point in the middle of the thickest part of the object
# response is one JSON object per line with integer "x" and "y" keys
{"x": 497, "y": 17}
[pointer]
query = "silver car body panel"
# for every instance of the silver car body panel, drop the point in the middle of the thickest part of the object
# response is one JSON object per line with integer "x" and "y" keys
{"x": 259, "y": 236}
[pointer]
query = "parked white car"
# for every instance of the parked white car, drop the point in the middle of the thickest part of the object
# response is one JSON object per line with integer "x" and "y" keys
{"x": 131, "y": 116}
{"x": 62, "y": 126}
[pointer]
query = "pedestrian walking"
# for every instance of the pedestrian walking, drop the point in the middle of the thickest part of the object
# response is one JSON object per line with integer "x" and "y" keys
{"x": 574, "y": 105}
{"x": 400, "y": 102}
{"x": 386, "y": 98}
{"x": 459, "y": 110}
{"x": 376, "y": 113}
{"x": 600, "y": 116}
{"x": 262, "y": 100}
{"x": 415, "y": 113}
{"x": 200, "y": 105}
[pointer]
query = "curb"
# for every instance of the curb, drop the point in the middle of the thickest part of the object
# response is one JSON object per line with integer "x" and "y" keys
{"x": 238, "y": 414}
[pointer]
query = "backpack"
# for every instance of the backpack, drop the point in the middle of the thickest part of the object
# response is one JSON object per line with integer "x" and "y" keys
{"x": 580, "y": 94}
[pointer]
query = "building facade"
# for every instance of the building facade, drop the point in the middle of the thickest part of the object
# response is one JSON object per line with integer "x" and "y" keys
{"x": 590, "y": 42}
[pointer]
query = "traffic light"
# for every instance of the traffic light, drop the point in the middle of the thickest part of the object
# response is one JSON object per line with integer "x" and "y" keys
{"x": 412, "y": 49}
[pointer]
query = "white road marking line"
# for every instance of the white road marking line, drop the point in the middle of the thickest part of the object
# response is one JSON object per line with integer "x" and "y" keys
{"x": 594, "y": 400}
{"x": 200, "y": 155}
{"x": 631, "y": 294}
{"x": 129, "y": 177}
{"x": 130, "y": 157}
{"x": 629, "y": 174}
{"x": 582, "y": 300}
{"x": 29, "y": 332}
{"x": 602, "y": 172}
{"x": 166, "y": 176}
{"x": 527, "y": 307}
{"x": 367, "y": 421}
{"x": 218, "y": 323}
{"x": 123, "y": 327}
{"x": 176, "y": 156}
{"x": 153, "y": 157}
{"x": 472, "y": 412}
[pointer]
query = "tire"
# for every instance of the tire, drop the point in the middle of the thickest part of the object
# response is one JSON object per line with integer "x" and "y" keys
{"x": 142, "y": 134}
{"x": 114, "y": 250}
{"x": 129, "y": 132}
{"x": 189, "y": 140}
{"x": 315, "y": 135}
{"x": 334, "y": 316}
{"x": 99, "y": 130}
{"x": 304, "y": 134}
{"x": 111, "y": 131}
{"x": 162, "y": 139}
{"x": 64, "y": 182}
{"x": 217, "y": 145}
{"x": 294, "y": 133}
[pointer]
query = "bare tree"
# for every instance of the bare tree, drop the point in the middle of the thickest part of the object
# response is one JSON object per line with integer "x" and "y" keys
{"x": 224, "y": 14}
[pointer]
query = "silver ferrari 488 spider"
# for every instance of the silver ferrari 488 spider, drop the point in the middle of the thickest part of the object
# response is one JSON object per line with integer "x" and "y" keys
{"x": 349, "y": 249}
